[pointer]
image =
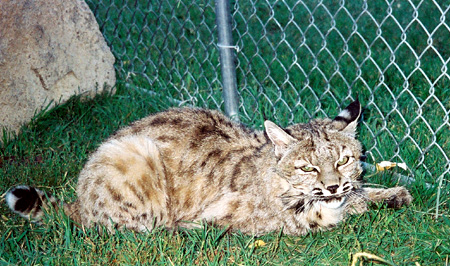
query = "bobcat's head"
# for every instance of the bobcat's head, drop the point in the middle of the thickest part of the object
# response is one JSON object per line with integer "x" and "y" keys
{"x": 319, "y": 160}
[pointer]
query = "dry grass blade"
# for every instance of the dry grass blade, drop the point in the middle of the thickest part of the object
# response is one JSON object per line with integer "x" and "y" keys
{"x": 369, "y": 256}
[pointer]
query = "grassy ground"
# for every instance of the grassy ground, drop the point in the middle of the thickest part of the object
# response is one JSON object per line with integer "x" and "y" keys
{"x": 169, "y": 49}
{"x": 50, "y": 152}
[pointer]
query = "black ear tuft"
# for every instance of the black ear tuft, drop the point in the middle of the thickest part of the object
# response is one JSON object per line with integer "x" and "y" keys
{"x": 350, "y": 113}
{"x": 347, "y": 119}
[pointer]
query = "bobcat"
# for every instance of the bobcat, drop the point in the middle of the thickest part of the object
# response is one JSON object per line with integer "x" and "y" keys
{"x": 186, "y": 166}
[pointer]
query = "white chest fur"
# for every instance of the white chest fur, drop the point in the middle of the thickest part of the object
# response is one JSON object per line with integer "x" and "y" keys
{"x": 325, "y": 214}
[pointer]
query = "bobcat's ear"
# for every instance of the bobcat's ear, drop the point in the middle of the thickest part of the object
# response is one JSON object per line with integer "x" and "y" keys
{"x": 278, "y": 136}
{"x": 347, "y": 119}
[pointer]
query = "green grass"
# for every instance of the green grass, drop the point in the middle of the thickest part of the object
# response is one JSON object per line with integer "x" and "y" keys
{"x": 171, "y": 60}
{"x": 51, "y": 150}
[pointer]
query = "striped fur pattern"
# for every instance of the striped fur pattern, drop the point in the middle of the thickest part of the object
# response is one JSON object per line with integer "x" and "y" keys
{"x": 183, "y": 167}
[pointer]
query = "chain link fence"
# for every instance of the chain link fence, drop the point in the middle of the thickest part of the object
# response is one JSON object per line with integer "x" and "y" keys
{"x": 296, "y": 60}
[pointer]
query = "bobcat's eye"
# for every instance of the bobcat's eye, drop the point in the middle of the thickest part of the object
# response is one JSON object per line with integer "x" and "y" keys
{"x": 307, "y": 168}
{"x": 343, "y": 161}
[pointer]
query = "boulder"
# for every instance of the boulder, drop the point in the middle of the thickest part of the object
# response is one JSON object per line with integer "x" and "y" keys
{"x": 49, "y": 51}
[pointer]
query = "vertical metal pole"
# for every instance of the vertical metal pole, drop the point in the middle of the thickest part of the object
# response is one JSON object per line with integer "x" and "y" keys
{"x": 226, "y": 51}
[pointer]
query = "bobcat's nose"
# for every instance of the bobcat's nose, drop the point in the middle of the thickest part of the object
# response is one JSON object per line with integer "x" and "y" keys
{"x": 333, "y": 188}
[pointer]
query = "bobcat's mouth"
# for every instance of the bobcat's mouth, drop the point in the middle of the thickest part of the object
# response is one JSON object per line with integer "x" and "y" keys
{"x": 332, "y": 202}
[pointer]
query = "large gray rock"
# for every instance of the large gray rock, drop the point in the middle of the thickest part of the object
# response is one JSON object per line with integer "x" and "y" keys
{"x": 49, "y": 50}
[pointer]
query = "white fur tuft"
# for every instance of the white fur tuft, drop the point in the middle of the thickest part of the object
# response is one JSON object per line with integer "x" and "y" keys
{"x": 345, "y": 114}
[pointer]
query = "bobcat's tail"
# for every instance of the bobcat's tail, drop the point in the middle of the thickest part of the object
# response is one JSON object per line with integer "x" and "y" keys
{"x": 30, "y": 202}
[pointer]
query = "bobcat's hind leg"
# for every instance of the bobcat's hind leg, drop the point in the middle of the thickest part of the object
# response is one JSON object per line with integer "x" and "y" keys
{"x": 123, "y": 185}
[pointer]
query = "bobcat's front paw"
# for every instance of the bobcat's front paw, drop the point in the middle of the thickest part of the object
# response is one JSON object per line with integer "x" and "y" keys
{"x": 393, "y": 197}
{"x": 400, "y": 196}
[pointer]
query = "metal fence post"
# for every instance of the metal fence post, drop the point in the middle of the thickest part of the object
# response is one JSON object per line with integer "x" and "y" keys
{"x": 226, "y": 51}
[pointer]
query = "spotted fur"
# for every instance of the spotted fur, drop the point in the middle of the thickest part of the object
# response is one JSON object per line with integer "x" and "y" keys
{"x": 186, "y": 166}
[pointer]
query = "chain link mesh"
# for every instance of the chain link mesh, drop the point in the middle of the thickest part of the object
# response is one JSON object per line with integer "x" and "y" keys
{"x": 302, "y": 59}
{"x": 165, "y": 46}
